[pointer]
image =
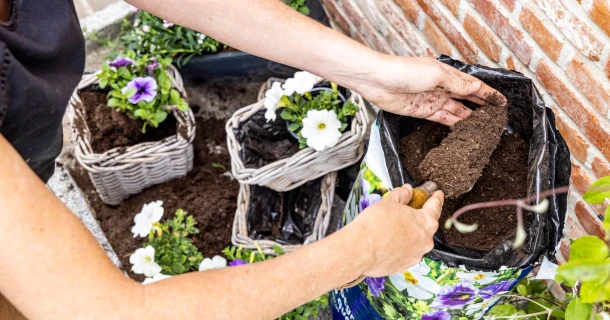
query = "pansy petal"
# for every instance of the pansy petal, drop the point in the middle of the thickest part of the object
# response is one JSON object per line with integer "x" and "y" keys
{"x": 418, "y": 292}
{"x": 399, "y": 282}
{"x": 428, "y": 283}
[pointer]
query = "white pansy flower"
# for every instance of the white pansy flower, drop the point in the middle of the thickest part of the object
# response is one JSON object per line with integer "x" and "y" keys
{"x": 217, "y": 262}
{"x": 145, "y": 28}
{"x": 482, "y": 278}
{"x": 272, "y": 98}
{"x": 151, "y": 213}
{"x": 143, "y": 261}
{"x": 321, "y": 129}
{"x": 302, "y": 82}
{"x": 415, "y": 282}
{"x": 202, "y": 36}
{"x": 167, "y": 24}
{"x": 158, "y": 277}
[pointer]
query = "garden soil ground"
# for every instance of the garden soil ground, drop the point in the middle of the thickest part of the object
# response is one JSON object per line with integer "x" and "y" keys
{"x": 505, "y": 177}
{"x": 208, "y": 193}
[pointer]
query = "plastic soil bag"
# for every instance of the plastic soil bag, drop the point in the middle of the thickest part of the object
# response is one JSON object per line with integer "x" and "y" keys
{"x": 454, "y": 282}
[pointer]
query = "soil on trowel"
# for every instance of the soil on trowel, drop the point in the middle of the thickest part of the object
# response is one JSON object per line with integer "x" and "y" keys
{"x": 111, "y": 129}
{"x": 208, "y": 193}
{"x": 457, "y": 163}
{"x": 504, "y": 177}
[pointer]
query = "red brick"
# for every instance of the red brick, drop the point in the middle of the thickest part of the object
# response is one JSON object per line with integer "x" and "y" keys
{"x": 468, "y": 50}
{"x": 572, "y": 229}
{"x": 607, "y": 68}
{"x": 481, "y": 35}
{"x": 358, "y": 37}
{"x": 600, "y": 167}
{"x": 589, "y": 220}
{"x": 410, "y": 8}
{"x": 510, "y": 4}
{"x": 538, "y": 29}
{"x": 579, "y": 31}
{"x": 405, "y": 29}
{"x": 564, "y": 248}
{"x": 510, "y": 33}
{"x": 580, "y": 180}
{"x": 510, "y": 63}
{"x": 373, "y": 38}
{"x": 586, "y": 119}
{"x": 336, "y": 15}
{"x": 453, "y": 5}
{"x": 576, "y": 143}
{"x": 600, "y": 13}
{"x": 589, "y": 83}
{"x": 436, "y": 38}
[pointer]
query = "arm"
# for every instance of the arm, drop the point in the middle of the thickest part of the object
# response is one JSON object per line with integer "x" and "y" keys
{"x": 420, "y": 87}
{"x": 52, "y": 268}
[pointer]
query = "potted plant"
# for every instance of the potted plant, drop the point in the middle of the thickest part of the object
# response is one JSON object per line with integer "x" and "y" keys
{"x": 123, "y": 121}
{"x": 328, "y": 124}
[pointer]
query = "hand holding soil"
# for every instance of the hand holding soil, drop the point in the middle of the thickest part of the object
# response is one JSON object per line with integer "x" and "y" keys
{"x": 392, "y": 227}
{"x": 426, "y": 88}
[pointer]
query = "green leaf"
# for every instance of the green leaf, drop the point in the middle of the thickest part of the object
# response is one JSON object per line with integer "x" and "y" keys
{"x": 522, "y": 290}
{"x": 584, "y": 271}
{"x": 304, "y": 10}
{"x": 177, "y": 268}
{"x": 218, "y": 166}
{"x": 103, "y": 83}
{"x": 578, "y": 310}
{"x": 294, "y": 126}
{"x": 160, "y": 116}
{"x": 175, "y": 96}
{"x": 598, "y": 191}
{"x": 503, "y": 310}
{"x": 286, "y": 115}
{"x": 141, "y": 113}
{"x": 114, "y": 102}
{"x": 588, "y": 248}
{"x": 592, "y": 292}
{"x": 130, "y": 92}
{"x": 343, "y": 127}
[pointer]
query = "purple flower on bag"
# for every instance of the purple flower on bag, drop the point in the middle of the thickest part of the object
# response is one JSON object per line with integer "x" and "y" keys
{"x": 437, "y": 315}
{"x": 151, "y": 68}
{"x": 237, "y": 262}
{"x": 120, "y": 62}
{"x": 455, "y": 297}
{"x": 368, "y": 199}
{"x": 376, "y": 285}
{"x": 146, "y": 89}
{"x": 493, "y": 289}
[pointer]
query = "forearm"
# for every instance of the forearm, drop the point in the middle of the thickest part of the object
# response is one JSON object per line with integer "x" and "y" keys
{"x": 52, "y": 268}
{"x": 275, "y": 32}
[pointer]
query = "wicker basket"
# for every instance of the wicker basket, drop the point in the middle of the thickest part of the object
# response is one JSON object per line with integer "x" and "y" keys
{"x": 240, "y": 235}
{"x": 305, "y": 165}
{"x": 121, "y": 172}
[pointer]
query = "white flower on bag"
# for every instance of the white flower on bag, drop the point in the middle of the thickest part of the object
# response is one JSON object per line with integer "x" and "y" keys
{"x": 321, "y": 129}
{"x": 302, "y": 82}
{"x": 272, "y": 98}
{"x": 145, "y": 220}
{"x": 143, "y": 261}
{"x": 158, "y": 277}
{"x": 416, "y": 283}
{"x": 217, "y": 262}
{"x": 482, "y": 278}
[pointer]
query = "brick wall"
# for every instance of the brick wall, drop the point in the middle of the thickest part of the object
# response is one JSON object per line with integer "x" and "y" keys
{"x": 564, "y": 45}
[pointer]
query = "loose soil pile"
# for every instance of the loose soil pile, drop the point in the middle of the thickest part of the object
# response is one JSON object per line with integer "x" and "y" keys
{"x": 505, "y": 177}
{"x": 457, "y": 163}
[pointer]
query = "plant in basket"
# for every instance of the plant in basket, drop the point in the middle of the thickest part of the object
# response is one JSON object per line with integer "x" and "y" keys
{"x": 316, "y": 115}
{"x": 141, "y": 87}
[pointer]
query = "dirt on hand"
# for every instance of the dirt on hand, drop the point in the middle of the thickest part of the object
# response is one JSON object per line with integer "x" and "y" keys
{"x": 457, "y": 163}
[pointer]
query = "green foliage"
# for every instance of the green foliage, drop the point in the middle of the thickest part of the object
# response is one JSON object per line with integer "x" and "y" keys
{"x": 296, "y": 106}
{"x": 597, "y": 193}
{"x": 303, "y": 312}
{"x": 174, "y": 250}
{"x": 153, "y": 112}
{"x": 298, "y": 5}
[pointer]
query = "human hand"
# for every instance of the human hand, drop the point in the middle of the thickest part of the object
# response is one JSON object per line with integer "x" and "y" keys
{"x": 425, "y": 88}
{"x": 398, "y": 235}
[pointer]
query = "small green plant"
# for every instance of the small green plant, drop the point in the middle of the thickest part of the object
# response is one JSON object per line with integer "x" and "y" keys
{"x": 141, "y": 87}
{"x": 298, "y": 5}
{"x": 174, "y": 248}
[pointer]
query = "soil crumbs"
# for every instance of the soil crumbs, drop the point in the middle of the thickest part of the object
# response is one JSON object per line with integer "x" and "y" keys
{"x": 505, "y": 177}
{"x": 206, "y": 193}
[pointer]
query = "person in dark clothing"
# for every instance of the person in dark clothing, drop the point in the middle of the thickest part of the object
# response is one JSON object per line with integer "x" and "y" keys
{"x": 42, "y": 60}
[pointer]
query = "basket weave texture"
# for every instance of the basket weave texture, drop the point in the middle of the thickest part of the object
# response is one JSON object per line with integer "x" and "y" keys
{"x": 240, "y": 235}
{"x": 305, "y": 165}
{"x": 121, "y": 172}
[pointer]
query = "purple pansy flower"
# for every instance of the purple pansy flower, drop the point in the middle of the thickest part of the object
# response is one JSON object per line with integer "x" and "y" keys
{"x": 151, "y": 67}
{"x": 493, "y": 289}
{"x": 455, "y": 297}
{"x": 146, "y": 89}
{"x": 376, "y": 285}
{"x": 120, "y": 62}
{"x": 237, "y": 262}
{"x": 368, "y": 199}
{"x": 437, "y": 315}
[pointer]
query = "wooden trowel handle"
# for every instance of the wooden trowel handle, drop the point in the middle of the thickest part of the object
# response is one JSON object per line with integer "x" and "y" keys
{"x": 421, "y": 194}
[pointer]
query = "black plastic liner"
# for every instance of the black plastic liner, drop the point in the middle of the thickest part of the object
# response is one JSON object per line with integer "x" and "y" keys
{"x": 549, "y": 167}
{"x": 285, "y": 217}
